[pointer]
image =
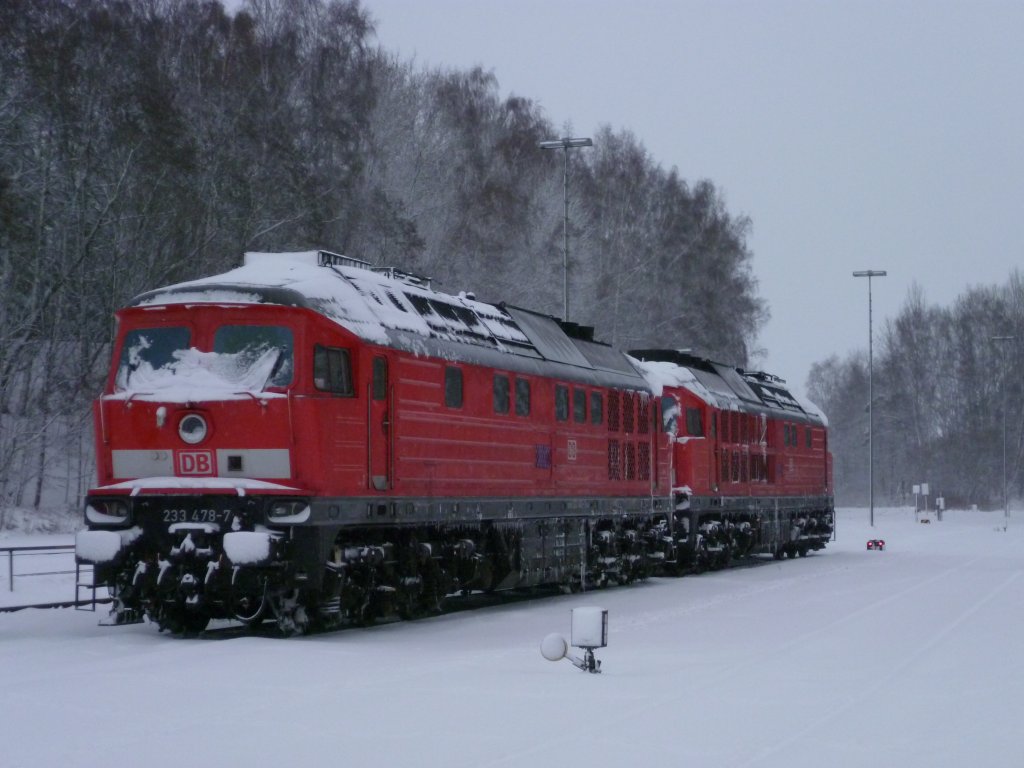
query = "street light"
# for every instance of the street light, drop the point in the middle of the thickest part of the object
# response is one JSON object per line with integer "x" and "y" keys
{"x": 565, "y": 145}
{"x": 1006, "y": 498}
{"x": 869, "y": 273}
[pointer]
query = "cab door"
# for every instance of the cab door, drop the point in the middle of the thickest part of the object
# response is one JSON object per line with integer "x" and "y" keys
{"x": 379, "y": 427}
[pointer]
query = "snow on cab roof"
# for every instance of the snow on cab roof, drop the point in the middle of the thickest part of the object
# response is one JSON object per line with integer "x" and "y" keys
{"x": 367, "y": 301}
{"x": 388, "y": 306}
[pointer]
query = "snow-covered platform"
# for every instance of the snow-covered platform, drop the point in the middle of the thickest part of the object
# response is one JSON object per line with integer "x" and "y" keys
{"x": 907, "y": 657}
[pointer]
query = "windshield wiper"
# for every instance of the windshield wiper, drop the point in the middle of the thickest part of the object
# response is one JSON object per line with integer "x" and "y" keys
{"x": 278, "y": 358}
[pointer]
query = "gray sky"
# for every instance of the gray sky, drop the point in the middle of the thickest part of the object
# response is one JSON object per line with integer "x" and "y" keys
{"x": 855, "y": 135}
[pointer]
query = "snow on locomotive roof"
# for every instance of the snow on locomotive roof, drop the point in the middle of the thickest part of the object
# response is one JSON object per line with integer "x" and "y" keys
{"x": 369, "y": 303}
{"x": 661, "y": 374}
{"x": 722, "y": 386}
{"x": 387, "y": 306}
{"x": 811, "y": 408}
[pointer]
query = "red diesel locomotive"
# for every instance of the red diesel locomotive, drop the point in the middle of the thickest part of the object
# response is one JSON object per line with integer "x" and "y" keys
{"x": 311, "y": 440}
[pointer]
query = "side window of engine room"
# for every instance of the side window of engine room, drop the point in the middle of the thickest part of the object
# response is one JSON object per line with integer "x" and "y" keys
{"x": 596, "y": 408}
{"x": 502, "y": 393}
{"x": 522, "y": 397}
{"x": 579, "y": 406}
{"x": 453, "y": 387}
{"x": 561, "y": 402}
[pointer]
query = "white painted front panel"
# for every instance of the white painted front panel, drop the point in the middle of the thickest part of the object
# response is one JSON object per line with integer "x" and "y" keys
{"x": 264, "y": 463}
{"x": 129, "y": 464}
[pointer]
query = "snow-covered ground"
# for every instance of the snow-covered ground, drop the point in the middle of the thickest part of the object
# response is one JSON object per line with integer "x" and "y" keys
{"x": 908, "y": 657}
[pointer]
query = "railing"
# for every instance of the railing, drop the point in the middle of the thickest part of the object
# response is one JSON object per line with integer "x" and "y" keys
{"x": 83, "y": 573}
{"x": 48, "y": 551}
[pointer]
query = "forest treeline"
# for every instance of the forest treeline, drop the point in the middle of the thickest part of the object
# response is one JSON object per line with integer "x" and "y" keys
{"x": 946, "y": 380}
{"x": 144, "y": 142}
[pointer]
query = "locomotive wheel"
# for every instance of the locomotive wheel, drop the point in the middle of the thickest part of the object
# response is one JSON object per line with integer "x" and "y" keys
{"x": 419, "y": 605}
{"x": 178, "y": 620}
{"x": 194, "y": 623}
{"x": 292, "y": 618}
{"x": 253, "y": 625}
{"x": 408, "y": 607}
{"x": 366, "y": 618}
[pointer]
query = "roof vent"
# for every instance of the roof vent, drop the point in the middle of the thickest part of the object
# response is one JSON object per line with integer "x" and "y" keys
{"x": 681, "y": 357}
{"x": 409, "y": 278}
{"x": 577, "y": 331}
{"x": 762, "y": 376}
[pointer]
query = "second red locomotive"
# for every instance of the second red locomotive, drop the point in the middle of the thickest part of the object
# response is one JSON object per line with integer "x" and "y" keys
{"x": 315, "y": 441}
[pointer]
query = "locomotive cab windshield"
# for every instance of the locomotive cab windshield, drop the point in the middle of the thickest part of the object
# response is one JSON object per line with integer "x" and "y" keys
{"x": 240, "y": 357}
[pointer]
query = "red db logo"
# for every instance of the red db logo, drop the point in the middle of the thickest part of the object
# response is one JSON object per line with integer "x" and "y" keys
{"x": 194, "y": 462}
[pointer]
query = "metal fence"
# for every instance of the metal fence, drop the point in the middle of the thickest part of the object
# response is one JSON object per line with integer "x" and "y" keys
{"x": 55, "y": 559}
{"x": 51, "y": 560}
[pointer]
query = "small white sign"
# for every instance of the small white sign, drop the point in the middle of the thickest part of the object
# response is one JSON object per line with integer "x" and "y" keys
{"x": 590, "y": 627}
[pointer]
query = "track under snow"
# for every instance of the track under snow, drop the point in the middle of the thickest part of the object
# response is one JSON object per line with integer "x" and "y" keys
{"x": 908, "y": 657}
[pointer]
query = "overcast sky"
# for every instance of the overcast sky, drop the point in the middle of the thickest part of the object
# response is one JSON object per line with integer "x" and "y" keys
{"x": 855, "y": 135}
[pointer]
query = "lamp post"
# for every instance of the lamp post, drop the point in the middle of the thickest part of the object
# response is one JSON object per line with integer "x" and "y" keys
{"x": 870, "y": 273}
{"x": 1006, "y": 498}
{"x": 565, "y": 145}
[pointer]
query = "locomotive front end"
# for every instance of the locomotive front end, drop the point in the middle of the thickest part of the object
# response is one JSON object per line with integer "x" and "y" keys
{"x": 199, "y": 495}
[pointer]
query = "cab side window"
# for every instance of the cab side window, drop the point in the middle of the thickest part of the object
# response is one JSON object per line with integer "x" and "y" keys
{"x": 332, "y": 370}
{"x": 694, "y": 423}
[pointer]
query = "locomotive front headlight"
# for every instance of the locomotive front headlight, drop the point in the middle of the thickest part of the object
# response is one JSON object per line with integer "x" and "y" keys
{"x": 106, "y": 511}
{"x": 289, "y": 511}
{"x": 193, "y": 429}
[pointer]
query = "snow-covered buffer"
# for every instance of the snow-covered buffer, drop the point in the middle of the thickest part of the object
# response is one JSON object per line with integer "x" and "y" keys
{"x": 251, "y": 547}
{"x": 103, "y": 546}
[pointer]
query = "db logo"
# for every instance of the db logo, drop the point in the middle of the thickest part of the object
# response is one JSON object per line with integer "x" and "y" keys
{"x": 194, "y": 462}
